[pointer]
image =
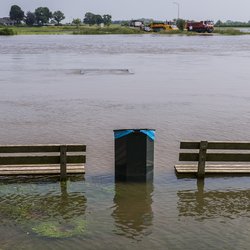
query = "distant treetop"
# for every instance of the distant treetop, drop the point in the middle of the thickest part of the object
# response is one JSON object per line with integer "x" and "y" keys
{"x": 16, "y": 14}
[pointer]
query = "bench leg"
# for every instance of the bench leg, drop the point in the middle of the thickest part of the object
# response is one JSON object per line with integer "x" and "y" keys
{"x": 63, "y": 163}
{"x": 202, "y": 159}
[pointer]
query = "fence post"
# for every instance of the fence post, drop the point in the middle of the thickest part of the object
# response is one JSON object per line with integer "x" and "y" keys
{"x": 202, "y": 159}
{"x": 63, "y": 162}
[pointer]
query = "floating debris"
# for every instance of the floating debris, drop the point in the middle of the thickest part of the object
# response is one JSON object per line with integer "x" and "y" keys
{"x": 106, "y": 71}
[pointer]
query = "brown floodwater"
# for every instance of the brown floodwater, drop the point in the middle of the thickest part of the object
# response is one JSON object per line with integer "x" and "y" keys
{"x": 78, "y": 89}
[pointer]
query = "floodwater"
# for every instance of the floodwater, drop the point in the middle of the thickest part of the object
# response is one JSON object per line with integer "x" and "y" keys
{"x": 78, "y": 89}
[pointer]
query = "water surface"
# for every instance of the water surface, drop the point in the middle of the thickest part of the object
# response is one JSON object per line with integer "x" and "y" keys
{"x": 187, "y": 88}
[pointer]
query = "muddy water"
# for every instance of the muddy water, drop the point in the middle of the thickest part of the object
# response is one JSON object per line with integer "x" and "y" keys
{"x": 77, "y": 89}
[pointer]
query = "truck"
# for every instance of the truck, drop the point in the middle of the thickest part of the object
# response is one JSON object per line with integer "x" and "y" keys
{"x": 202, "y": 26}
{"x": 160, "y": 26}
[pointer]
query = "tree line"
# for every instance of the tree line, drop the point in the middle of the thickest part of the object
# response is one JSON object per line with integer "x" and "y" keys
{"x": 40, "y": 16}
{"x": 92, "y": 19}
{"x": 230, "y": 23}
{"x": 43, "y": 15}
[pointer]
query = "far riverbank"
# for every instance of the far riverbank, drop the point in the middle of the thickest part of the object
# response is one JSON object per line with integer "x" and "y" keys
{"x": 112, "y": 29}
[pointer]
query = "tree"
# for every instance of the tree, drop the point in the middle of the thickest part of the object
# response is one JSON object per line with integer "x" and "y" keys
{"x": 181, "y": 24}
{"x": 89, "y": 18}
{"x": 218, "y": 23}
{"x": 98, "y": 19}
{"x": 30, "y": 18}
{"x": 58, "y": 16}
{"x": 92, "y": 19}
{"x": 16, "y": 14}
{"x": 77, "y": 22}
{"x": 43, "y": 15}
{"x": 107, "y": 19}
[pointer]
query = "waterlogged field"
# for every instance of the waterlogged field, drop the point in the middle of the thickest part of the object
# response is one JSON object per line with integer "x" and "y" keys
{"x": 78, "y": 89}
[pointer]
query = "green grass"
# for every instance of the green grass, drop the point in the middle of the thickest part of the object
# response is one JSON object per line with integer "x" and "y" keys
{"x": 97, "y": 30}
{"x": 7, "y": 32}
{"x": 44, "y": 30}
{"x": 114, "y": 29}
{"x": 219, "y": 31}
{"x": 183, "y": 32}
{"x": 170, "y": 32}
{"x": 81, "y": 30}
{"x": 229, "y": 32}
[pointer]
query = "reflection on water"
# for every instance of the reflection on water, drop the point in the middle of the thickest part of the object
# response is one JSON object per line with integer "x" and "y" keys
{"x": 133, "y": 213}
{"x": 212, "y": 204}
{"x": 50, "y": 214}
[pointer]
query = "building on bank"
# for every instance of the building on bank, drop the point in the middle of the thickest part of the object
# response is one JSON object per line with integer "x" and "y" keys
{"x": 6, "y": 21}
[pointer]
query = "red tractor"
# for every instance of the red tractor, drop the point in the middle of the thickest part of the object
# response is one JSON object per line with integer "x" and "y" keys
{"x": 202, "y": 26}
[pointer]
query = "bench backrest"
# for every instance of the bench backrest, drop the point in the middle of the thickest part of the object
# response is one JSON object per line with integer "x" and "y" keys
{"x": 51, "y": 154}
{"x": 202, "y": 156}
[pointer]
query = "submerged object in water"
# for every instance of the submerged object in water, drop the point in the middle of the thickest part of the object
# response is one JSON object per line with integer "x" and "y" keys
{"x": 106, "y": 71}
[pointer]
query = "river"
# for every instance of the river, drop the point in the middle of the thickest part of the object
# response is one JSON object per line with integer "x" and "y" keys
{"x": 78, "y": 89}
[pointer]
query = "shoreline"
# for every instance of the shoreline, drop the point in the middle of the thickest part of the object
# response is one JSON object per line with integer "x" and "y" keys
{"x": 111, "y": 30}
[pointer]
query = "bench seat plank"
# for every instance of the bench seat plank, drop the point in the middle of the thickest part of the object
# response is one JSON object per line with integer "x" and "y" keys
{"x": 214, "y": 169}
{"x": 40, "y": 169}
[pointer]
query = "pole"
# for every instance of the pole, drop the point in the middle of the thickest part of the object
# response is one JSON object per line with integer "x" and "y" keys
{"x": 178, "y": 7}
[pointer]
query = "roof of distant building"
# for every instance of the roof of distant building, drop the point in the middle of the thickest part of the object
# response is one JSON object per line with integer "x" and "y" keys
{"x": 6, "y": 21}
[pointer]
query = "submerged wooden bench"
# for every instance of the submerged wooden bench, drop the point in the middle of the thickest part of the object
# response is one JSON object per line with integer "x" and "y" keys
{"x": 220, "y": 153}
{"x": 42, "y": 160}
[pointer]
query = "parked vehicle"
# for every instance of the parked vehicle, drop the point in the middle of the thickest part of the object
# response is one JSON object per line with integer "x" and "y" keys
{"x": 136, "y": 23}
{"x": 147, "y": 29}
{"x": 202, "y": 26}
{"x": 160, "y": 26}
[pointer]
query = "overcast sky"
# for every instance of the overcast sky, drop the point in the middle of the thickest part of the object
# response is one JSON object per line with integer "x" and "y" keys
{"x": 133, "y": 9}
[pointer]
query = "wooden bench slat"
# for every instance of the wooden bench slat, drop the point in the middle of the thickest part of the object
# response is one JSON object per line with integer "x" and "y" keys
{"x": 21, "y": 160}
{"x": 214, "y": 169}
{"x": 189, "y": 145}
{"x": 243, "y": 145}
{"x": 43, "y": 167}
{"x": 34, "y": 169}
{"x": 219, "y": 157}
{"x": 40, "y": 148}
{"x": 40, "y": 169}
{"x": 188, "y": 157}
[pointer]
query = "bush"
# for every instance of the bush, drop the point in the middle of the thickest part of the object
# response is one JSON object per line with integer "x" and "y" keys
{"x": 7, "y": 32}
{"x": 181, "y": 24}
